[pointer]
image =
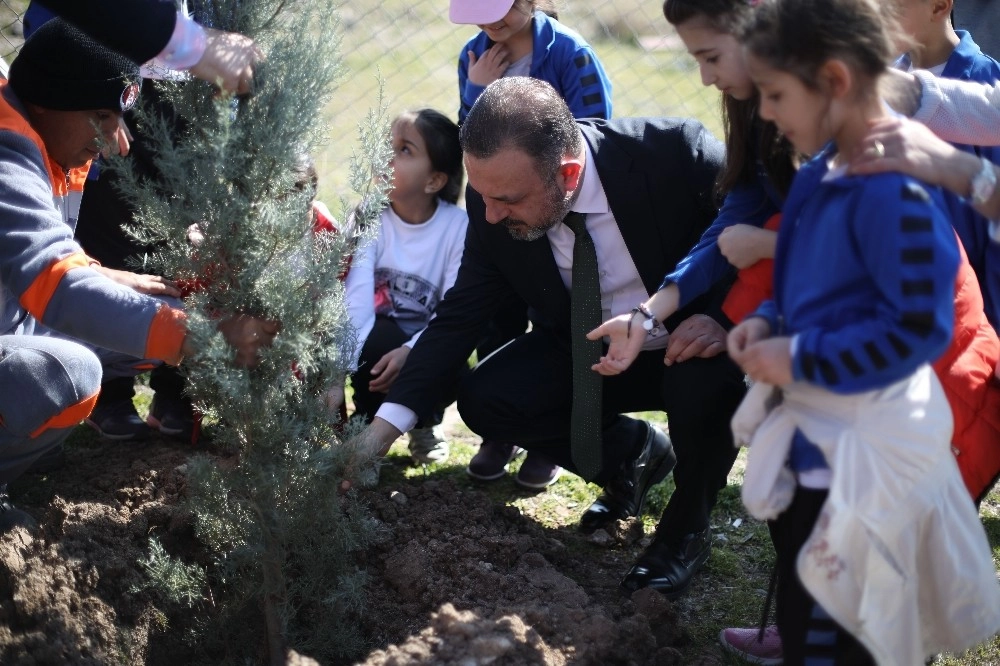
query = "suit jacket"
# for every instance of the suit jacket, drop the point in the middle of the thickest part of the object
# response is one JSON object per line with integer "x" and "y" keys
{"x": 658, "y": 174}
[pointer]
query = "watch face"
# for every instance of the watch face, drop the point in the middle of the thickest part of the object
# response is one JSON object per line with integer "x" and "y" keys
{"x": 648, "y": 324}
{"x": 984, "y": 183}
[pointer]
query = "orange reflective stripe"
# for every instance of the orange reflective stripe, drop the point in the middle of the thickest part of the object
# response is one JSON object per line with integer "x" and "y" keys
{"x": 70, "y": 416}
{"x": 166, "y": 335}
{"x": 36, "y": 297}
{"x": 78, "y": 178}
{"x": 11, "y": 119}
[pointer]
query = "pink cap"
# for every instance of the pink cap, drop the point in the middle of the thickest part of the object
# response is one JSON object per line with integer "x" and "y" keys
{"x": 478, "y": 12}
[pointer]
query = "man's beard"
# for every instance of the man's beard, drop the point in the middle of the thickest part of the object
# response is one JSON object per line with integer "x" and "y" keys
{"x": 557, "y": 208}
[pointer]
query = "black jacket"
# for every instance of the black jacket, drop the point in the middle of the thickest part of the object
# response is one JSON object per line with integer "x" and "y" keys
{"x": 658, "y": 174}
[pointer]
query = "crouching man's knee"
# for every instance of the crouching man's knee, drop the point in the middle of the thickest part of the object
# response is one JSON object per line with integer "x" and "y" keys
{"x": 45, "y": 384}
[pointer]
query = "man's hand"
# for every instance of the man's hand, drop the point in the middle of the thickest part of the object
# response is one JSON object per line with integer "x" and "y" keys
{"x": 154, "y": 285}
{"x": 373, "y": 441}
{"x": 228, "y": 61}
{"x": 247, "y": 335}
{"x": 488, "y": 67}
{"x": 387, "y": 369}
{"x": 697, "y": 336}
{"x": 623, "y": 346}
{"x": 334, "y": 396}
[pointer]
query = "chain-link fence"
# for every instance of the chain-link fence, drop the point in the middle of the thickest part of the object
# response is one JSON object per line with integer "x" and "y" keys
{"x": 412, "y": 48}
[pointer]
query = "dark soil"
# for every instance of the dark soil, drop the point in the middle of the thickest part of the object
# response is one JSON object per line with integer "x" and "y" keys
{"x": 459, "y": 578}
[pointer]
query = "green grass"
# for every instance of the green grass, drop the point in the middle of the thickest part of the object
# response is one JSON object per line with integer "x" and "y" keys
{"x": 730, "y": 591}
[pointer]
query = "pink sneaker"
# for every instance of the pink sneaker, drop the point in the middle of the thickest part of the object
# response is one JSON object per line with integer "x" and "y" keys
{"x": 743, "y": 641}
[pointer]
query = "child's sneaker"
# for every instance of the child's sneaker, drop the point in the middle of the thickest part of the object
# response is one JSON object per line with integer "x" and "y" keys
{"x": 427, "y": 446}
{"x": 490, "y": 463}
{"x": 118, "y": 420}
{"x": 537, "y": 472}
{"x": 173, "y": 417}
{"x": 744, "y": 642}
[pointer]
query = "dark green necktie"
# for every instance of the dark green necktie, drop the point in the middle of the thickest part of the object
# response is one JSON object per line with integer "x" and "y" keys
{"x": 585, "y": 316}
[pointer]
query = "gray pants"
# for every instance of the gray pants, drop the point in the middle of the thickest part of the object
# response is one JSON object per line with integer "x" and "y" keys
{"x": 41, "y": 378}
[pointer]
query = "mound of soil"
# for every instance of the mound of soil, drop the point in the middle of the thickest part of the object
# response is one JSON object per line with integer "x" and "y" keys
{"x": 457, "y": 578}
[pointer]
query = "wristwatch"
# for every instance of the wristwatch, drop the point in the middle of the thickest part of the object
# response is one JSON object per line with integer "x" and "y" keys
{"x": 984, "y": 183}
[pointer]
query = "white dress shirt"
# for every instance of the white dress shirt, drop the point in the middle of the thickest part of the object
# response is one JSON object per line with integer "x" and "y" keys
{"x": 621, "y": 285}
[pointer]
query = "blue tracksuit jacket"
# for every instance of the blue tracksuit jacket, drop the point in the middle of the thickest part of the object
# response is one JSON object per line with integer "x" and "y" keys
{"x": 561, "y": 57}
{"x": 864, "y": 278}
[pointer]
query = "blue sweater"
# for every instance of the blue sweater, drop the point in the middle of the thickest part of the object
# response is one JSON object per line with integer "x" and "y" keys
{"x": 864, "y": 277}
{"x": 561, "y": 57}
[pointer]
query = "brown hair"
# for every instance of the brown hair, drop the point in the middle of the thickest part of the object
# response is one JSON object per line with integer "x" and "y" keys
{"x": 800, "y": 36}
{"x": 531, "y": 6}
{"x": 739, "y": 117}
{"x": 440, "y": 135}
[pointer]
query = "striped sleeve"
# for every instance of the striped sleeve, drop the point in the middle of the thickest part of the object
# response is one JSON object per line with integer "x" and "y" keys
{"x": 585, "y": 85}
{"x": 45, "y": 273}
{"x": 909, "y": 250}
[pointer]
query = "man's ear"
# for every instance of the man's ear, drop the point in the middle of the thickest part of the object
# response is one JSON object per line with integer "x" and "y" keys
{"x": 570, "y": 170}
{"x": 835, "y": 78}
{"x": 435, "y": 183}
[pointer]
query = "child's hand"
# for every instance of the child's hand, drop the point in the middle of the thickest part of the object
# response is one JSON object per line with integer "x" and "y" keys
{"x": 623, "y": 347}
{"x": 743, "y": 245}
{"x": 387, "y": 369}
{"x": 154, "y": 285}
{"x": 488, "y": 67}
{"x": 748, "y": 332}
{"x": 769, "y": 361}
{"x": 697, "y": 336}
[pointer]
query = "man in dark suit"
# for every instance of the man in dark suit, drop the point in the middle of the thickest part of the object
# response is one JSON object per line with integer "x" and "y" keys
{"x": 646, "y": 187}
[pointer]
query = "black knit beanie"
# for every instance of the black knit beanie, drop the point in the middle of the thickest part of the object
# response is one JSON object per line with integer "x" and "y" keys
{"x": 63, "y": 69}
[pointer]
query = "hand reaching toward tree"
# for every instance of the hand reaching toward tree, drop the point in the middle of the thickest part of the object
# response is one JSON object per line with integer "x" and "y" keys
{"x": 154, "y": 285}
{"x": 228, "y": 61}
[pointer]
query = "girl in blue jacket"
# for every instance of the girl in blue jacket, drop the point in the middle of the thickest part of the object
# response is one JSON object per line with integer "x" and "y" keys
{"x": 523, "y": 38}
{"x": 864, "y": 268}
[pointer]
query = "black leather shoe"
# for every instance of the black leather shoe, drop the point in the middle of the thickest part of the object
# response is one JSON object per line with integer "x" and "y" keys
{"x": 624, "y": 495}
{"x": 669, "y": 567}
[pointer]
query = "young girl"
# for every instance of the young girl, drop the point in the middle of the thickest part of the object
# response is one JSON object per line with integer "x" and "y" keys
{"x": 863, "y": 300}
{"x": 757, "y": 175}
{"x": 523, "y": 38}
{"x": 411, "y": 265}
